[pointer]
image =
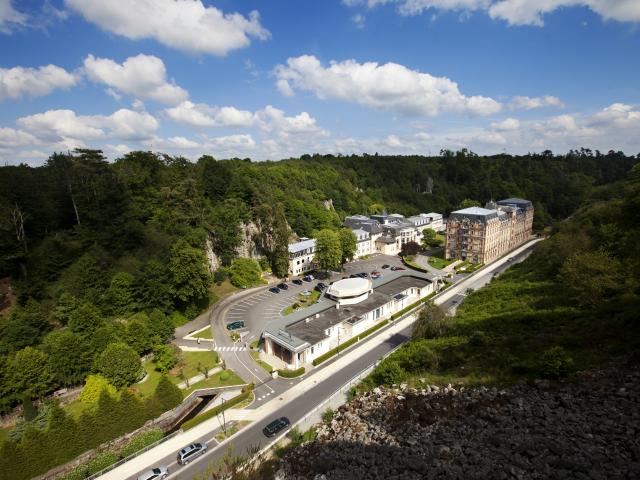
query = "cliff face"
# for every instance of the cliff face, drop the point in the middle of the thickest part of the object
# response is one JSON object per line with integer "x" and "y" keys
{"x": 587, "y": 429}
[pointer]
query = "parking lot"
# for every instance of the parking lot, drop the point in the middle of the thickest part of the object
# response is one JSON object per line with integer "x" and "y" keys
{"x": 258, "y": 310}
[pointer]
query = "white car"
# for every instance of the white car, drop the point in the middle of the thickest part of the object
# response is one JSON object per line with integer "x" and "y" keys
{"x": 155, "y": 473}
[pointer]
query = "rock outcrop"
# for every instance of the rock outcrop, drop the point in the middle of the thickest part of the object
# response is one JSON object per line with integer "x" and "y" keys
{"x": 587, "y": 428}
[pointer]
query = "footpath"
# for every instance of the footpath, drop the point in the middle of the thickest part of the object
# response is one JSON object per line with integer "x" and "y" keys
{"x": 267, "y": 410}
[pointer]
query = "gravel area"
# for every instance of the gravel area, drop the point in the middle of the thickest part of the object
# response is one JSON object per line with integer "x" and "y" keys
{"x": 586, "y": 428}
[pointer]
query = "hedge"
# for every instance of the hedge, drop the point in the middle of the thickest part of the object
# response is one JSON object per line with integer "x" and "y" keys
{"x": 413, "y": 305}
{"x": 348, "y": 343}
{"x": 216, "y": 410}
{"x": 291, "y": 373}
{"x": 414, "y": 266}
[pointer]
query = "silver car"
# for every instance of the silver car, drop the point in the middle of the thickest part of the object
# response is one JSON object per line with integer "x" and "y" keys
{"x": 190, "y": 452}
{"x": 155, "y": 473}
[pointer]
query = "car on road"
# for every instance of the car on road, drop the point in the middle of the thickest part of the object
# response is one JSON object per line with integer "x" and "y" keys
{"x": 385, "y": 266}
{"x": 510, "y": 259}
{"x": 394, "y": 268}
{"x": 283, "y": 286}
{"x": 190, "y": 452}
{"x": 308, "y": 278}
{"x": 375, "y": 274}
{"x": 297, "y": 281}
{"x": 276, "y": 426}
{"x": 274, "y": 290}
{"x": 320, "y": 287}
{"x": 155, "y": 473}
{"x": 235, "y": 325}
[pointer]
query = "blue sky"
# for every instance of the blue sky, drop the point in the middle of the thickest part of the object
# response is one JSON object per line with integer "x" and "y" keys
{"x": 273, "y": 79}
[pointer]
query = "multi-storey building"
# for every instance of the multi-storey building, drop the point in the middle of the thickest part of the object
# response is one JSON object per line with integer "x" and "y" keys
{"x": 301, "y": 256}
{"x": 480, "y": 235}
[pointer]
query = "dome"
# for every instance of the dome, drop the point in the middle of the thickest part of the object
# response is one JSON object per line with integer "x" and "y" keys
{"x": 349, "y": 287}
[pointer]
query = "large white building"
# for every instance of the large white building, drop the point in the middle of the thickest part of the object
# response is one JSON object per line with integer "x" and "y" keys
{"x": 351, "y": 306}
{"x": 301, "y": 256}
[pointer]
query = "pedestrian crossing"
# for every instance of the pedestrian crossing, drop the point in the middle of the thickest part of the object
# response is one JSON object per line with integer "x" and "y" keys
{"x": 230, "y": 349}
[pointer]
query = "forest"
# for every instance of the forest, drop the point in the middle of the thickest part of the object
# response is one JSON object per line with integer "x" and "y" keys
{"x": 103, "y": 259}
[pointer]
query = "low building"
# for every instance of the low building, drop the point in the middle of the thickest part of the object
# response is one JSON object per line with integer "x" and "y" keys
{"x": 363, "y": 243}
{"x": 480, "y": 235}
{"x": 350, "y": 307}
{"x": 302, "y": 256}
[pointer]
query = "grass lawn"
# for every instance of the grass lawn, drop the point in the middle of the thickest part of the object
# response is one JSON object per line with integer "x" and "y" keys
{"x": 438, "y": 262}
{"x": 232, "y": 430}
{"x": 256, "y": 356}
{"x": 206, "y": 334}
{"x": 302, "y": 302}
{"x": 215, "y": 381}
{"x": 467, "y": 267}
{"x": 218, "y": 292}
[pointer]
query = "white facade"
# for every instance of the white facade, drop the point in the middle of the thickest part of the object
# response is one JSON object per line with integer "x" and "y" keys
{"x": 301, "y": 256}
{"x": 363, "y": 243}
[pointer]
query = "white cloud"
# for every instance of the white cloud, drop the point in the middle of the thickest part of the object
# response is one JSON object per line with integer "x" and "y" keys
{"x": 17, "y": 82}
{"x": 11, "y": 138}
{"x": 67, "y": 126}
{"x": 386, "y": 87}
{"x": 514, "y": 12}
{"x": 186, "y": 25}
{"x": 529, "y": 103}
{"x": 359, "y": 20}
{"x": 506, "y": 125}
{"x": 619, "y": 115}
{"x": 273, "y": 119}
{"x": 10, "y": 17}
{"x": 143, "y": 76}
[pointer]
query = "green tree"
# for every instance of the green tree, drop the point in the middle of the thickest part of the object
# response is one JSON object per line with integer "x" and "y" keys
{"x": 432, "y": 322}
{"x": 328, "y": 250}
{"x": 137, "y": 333}
{"x": 31, "y": 373}
{"x": 93, "y": 389}
{"x": 70, "y": 356}
{"x": 592, "y": 276}
{"x": 245, "y": 272}
{"x": 66, "y": 304}
{"x": 280, "y": 253}
{"x": 190, "y": 277}
{"x": 165, "y": 357}
{"x": 85, "y": 319}
{"x": 120, "y": 294}
{"x": 160, "y": 325}
{"x": 430, "y": 238}
{"x": 348, "y": 244}
{"x": 24, "y": 327}
{"x": 467, "y": 203}
{"x": 410, "y": 248}
{"x": 168, "y": 395}
{"x": 120, "y": 364}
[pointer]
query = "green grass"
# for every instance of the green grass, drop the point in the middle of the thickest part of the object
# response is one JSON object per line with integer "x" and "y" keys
{"x": 4, "y": 433}
{"x": 439, "y": 263}
{"x": 467, "y": 267}
{"x": 214, "y": 381}
{"x": 205, "y": 334}
{"x": 302, "y": 302}
{"x": 218, "y": 292}
{"x": 256, "y": 356}
{"x": 216, "y": 410}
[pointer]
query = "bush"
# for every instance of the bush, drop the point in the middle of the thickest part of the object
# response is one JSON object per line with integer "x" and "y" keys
{"x": 120, "y": 364}
{"x": 416, "y": 356}
{"x": 93, "y": 388}
{"x": 328, "y": 414}
{"x": 165, "y": 357}
{"x": 245, "y": 272}
{"x": 219, "y": 276}
{"x": 178, "y": 319}
{"x": 555, "y": 363}
{"x": 141, "y": 441}
{"x": 478, "y": 339}
{"x": 291, "y": 373}
{"x": 389, "y": 372}
{"x": 224, "y": 376}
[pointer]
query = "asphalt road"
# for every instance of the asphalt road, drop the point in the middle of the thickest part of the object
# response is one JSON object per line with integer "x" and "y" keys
{"x": 251, "y": 435}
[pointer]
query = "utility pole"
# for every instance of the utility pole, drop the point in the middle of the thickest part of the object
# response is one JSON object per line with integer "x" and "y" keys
{"x": 224, "y": 421}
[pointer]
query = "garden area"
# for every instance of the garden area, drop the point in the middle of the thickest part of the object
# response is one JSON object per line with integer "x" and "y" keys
{"x": 303, "y": 301}
{"x": 438, "y": 261}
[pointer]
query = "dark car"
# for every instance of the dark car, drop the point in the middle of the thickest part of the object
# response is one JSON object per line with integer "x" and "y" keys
{"x": 283, "y": 286}
{"x": 190, "y": 452}
{"x": 363, "y": 274}
{"x": 320, "y": 287}
{"x": 235, "y": 325}
{"x": 385, "y": 266}
{"x": 397, "y": 268}
{"x": 274, "y": 290}
{"x": 297, "y": 281}
{"x": 276, "y": 426}
{"x": 308, "y": 278}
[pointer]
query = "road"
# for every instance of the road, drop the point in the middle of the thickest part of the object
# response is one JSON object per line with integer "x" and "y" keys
{"x": 298, "y": 406}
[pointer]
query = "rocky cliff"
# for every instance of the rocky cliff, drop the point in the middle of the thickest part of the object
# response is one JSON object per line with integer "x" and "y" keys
{"x": 255, "y": 241}
{"x": 584, "y": 429}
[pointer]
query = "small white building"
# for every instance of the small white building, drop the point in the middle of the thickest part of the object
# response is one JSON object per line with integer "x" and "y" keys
{"x": 363, "y": 243}
{"x": 351, "y": 306}
{"x": 301, "y": 256}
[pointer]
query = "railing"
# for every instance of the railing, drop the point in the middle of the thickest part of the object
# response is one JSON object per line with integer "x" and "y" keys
{"x": 133, "y": 455}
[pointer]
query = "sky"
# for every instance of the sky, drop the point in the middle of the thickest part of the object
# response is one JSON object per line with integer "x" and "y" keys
{"x": 272, "y": 79}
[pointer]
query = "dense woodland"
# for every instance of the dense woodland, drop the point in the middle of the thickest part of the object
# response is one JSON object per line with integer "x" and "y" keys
{"x": 105, "y": 258}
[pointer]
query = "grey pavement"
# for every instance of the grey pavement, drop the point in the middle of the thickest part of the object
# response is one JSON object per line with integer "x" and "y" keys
{"x": 303, "y": 395}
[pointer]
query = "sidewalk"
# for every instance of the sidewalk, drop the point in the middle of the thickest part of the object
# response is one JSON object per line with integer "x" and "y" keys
{"x": 267, "y": 410}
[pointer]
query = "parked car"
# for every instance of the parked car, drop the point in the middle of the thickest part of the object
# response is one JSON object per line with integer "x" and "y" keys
{"x": 308, "y": 278}
{"x": 394, "y": 268}
{"x": 283, "y": 286}
{"x": 353, "y": 275}
{"x": 385, "y": 266}
{"x": 155, "y": 473}
{"x": 363, "y": 275}
{"x": 375, "y": 274}
{"x": 297, "y": 281}
{"x": 274, "y": 290}
{"x": 190, "y": 452}
{"x": 306, "y": 293}
{"x": 510, "y": 259}
{"x": 320, "y": 287}
{"x": 235, "y": 325}
{"x": 276, "y": 426}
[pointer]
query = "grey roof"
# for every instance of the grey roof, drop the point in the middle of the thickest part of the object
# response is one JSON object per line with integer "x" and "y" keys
{"x": 302, "y": 245}
{"x": 386, "y": 239}
{"x": 364, "y": 223}
{"x": 358, "y": 232}
{"x": 433, "y": 215}
{"x": 517, "y": 202}
{"x": 474, "y": 213}
{"x": 296, "y": 332}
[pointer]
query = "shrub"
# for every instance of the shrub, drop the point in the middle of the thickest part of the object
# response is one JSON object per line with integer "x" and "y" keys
{"x": 416, "y": 356}
{"x": 478, "y": 339}
{"x": 141, "y": 441}
{"x": 178, "y": 319}
{"x": 219, "y": 276}
{"x": 165, "y": 357}
{"x": 555, "y": 363}
{"x": 328, "y": 414}
{"x": 389, "y": 372}
{"x": 291, "y": 373}
{"x": 245, "y": 272}
{"x": 120, "y": 364}
{"x": 432, "y": 322}
{"x": 224, "y": 376}
{"x": 93, "y": 388}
